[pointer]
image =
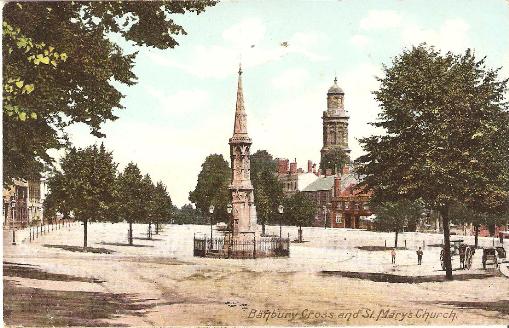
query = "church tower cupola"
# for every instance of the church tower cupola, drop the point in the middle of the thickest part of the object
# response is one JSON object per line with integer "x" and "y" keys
{"x": 335, "y": 97}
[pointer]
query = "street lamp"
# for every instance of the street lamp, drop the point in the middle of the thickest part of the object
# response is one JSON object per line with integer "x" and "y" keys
{"x": 229, "y": 209}
{"x": 13, "y": 206}
{"x": 325, "y": 217}
{"x": 280, "y": 209}
{"x": 211, "y": 211}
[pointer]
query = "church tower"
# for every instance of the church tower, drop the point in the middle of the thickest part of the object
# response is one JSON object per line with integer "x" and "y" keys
{"x": 335, "y": 121}
{"x": 244, "y": 212}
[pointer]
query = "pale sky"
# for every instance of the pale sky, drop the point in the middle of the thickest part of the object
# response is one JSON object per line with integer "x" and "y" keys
{"x": 182, "y": 108}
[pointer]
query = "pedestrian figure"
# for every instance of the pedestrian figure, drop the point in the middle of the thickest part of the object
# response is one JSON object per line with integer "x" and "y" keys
{"x": 393, "y": 255}
{"x": 419, "y": 256}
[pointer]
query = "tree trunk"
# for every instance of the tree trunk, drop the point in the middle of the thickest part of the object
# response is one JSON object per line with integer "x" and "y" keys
{"x": 157, "y": 228}
{"x": 447, "y": 244}
{"x": 150, "y": 230}
{"x": 300, "y": 234}
{"x": 85, "y": 233}
{"x": 130, "y": 234}
{"x": 396, "y": 239}
{"x": 476, "y": 238}
{"x": 263, "y": 229}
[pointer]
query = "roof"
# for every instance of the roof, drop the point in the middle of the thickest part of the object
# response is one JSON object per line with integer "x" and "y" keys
{"x": 335, "y": 89}
{"x": 323, "y": 183}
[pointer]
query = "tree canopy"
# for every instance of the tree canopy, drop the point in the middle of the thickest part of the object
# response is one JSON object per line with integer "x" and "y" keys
{"x": 396, "y": 216}
{"x": 162, "y": 207}
{"x": 85, "y": 186}
{"x": 212, "y": 187}
{"x": 61, "y": 65}
{"x": 446, "y": 138}
{"x": 268, "y": 191}
{"x": 334, "y": 160}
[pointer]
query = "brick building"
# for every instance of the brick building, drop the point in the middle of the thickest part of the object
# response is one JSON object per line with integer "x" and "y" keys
{"x": 293, "y": 178}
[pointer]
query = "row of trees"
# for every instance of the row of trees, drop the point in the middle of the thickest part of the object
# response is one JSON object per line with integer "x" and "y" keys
{"x": 212, "y": 189}
{"x": 446, "y": 138}
{"x": 88, "y": 187}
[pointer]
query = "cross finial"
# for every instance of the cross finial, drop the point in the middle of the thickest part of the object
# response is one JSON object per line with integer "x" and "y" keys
{"x": 240, "y": 68}
{"x": 335, "y": 79}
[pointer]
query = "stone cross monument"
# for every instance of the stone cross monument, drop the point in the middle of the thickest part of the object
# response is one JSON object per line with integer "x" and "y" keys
{"x": 244, "y": 211}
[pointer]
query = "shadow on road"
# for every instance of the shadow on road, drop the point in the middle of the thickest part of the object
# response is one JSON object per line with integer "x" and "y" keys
{"x": 501, "y": 306}
{"x": 378, "y": 248}
{"x": 81, "y": 249}
{"x": 27, "y": 306}
{"x": 392, "y": 278}
{"x": 146, "y": 238}
{"x": 32, "y": 272}
{"x": 124, "y": 244}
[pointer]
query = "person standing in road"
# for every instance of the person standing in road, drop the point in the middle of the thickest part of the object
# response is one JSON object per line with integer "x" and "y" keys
{"x": 419, "y": 256}
{"x": 393, "y": 255}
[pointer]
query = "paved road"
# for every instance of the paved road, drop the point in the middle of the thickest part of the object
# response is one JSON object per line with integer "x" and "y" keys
{"x": 159, "y": 282}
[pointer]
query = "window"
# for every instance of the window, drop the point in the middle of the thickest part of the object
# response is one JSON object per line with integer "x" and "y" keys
{"x": 339, "y": 218}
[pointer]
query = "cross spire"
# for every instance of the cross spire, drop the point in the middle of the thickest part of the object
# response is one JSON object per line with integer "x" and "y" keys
{"x": 240, "y": 126}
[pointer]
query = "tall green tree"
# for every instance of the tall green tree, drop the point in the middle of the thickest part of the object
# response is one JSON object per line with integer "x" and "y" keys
{"x": 334, "y": 160}
{"x": 446, "y": 137}
{"x": 187, "y": 214}
{"x": 148, "y": 203}
{"x": 299, "y": 210}
{"x": 396, "y": 216}
{"x": 130, "y": 197}
{"x": 162, "y": 207}
{"x": 85, "y": 186}
{"x": 268, "y": 191}
{"x": 63, "y": 63}
{"x": 212, "y": 187}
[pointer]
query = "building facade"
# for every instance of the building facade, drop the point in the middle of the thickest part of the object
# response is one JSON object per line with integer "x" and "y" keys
{"x": 349, "y": 205}
{"x": 23, "y": 203}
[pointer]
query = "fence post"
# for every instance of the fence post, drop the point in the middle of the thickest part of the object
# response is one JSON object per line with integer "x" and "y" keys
{"x": 254, "y": 246}
{"x": 405, "y": 243}
{"x": 385, "y": 243}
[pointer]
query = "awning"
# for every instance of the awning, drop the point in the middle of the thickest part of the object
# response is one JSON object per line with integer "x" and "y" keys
{"x": 370, "y": 218}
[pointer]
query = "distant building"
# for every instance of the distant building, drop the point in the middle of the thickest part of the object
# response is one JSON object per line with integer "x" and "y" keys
{"x": 320, "y": 192}
{"x": 294, "y": 179}
{"x": 23, "y": 203}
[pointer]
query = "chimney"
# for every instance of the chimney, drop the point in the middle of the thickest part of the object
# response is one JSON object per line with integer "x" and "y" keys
{"x": 345, "y": 170}
{"x": 282, "y": 166}
{"x": 328, "y": 172}
{"x": 310, "y": 166}
{"x": 314, "y": 169}
{"x": 293, "y": 168}
{"x": 337, "y": 186}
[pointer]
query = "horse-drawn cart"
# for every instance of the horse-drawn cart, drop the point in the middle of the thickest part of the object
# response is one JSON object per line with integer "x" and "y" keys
{"x": 465, "y": 252}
